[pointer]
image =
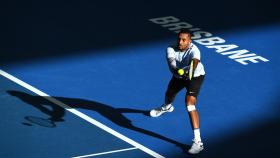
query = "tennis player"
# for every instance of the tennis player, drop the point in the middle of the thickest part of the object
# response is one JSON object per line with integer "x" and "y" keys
{"x": 188, "y": 72}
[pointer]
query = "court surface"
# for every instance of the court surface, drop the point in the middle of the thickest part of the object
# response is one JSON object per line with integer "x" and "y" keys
{"x": 78, "y": 80}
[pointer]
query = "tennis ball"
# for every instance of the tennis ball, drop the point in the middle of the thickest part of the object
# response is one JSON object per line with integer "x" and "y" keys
{"x": 181, "y": 72}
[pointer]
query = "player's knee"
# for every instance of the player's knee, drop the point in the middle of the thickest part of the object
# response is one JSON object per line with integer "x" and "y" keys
{"x": 191, "y": 108}
{"x": 190, "y": 100}
{"x": 192, "y": 94}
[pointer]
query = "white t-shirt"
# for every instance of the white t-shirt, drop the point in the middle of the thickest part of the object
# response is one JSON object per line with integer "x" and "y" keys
{"x": 179, "y": 59}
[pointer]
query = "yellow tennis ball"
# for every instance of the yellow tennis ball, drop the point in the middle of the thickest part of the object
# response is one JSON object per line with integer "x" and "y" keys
{"x": 181, "y": 72}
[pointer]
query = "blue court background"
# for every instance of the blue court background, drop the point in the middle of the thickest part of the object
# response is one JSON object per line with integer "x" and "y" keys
{"x": 108, "y": 61}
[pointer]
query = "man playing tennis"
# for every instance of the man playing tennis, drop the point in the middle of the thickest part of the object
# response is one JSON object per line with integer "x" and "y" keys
{"x": 188, "y": 72}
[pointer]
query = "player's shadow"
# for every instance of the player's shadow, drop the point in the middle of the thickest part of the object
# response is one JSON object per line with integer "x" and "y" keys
{"x": 115, "y": 115}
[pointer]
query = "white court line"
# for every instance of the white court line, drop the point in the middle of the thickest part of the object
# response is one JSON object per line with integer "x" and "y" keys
{"x": 103, "y": 153}
{"x": 81, "y": 115}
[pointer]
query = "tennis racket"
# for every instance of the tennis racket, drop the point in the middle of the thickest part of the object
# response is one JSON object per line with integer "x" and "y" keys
{"x": 190, "y": 72}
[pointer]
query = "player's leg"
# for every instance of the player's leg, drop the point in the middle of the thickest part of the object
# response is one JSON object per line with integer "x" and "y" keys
{"x": 191, "y": 98}
{"x": 174, "y": 86}
{"x": 193, "y": 115}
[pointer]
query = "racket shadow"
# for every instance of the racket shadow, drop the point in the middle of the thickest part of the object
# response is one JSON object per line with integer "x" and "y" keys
{"x": 40, "y": 121}
{"x": 115, "y": 115}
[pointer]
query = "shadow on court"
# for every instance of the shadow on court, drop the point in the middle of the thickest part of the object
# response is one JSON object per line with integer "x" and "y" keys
{"x": 56, "y": 113}
{"x": 259, "y": 141}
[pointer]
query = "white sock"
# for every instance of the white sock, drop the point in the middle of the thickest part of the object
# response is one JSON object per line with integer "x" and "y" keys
{"x": 197, "y": 135}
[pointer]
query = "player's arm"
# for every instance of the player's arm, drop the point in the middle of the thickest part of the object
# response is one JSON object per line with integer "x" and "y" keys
{"x": 195, "y": 63}
{"x": 171, "y": 60}
{"x": 172, "y": 65}
{"x": 191, "y": 68}
{"x": 196, "y": 56}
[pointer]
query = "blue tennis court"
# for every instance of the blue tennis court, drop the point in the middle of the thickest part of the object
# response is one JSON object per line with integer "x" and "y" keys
{"x": 25, "y": 131}
{"x": 79, "y": 79}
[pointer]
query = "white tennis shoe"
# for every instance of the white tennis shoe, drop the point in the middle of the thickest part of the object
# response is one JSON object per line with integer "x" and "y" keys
{"x": 197, "y": 147}
{"x": 160, "y": 110}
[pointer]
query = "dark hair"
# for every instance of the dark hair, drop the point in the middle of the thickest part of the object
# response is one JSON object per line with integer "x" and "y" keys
{"x": 185, "y": 31}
